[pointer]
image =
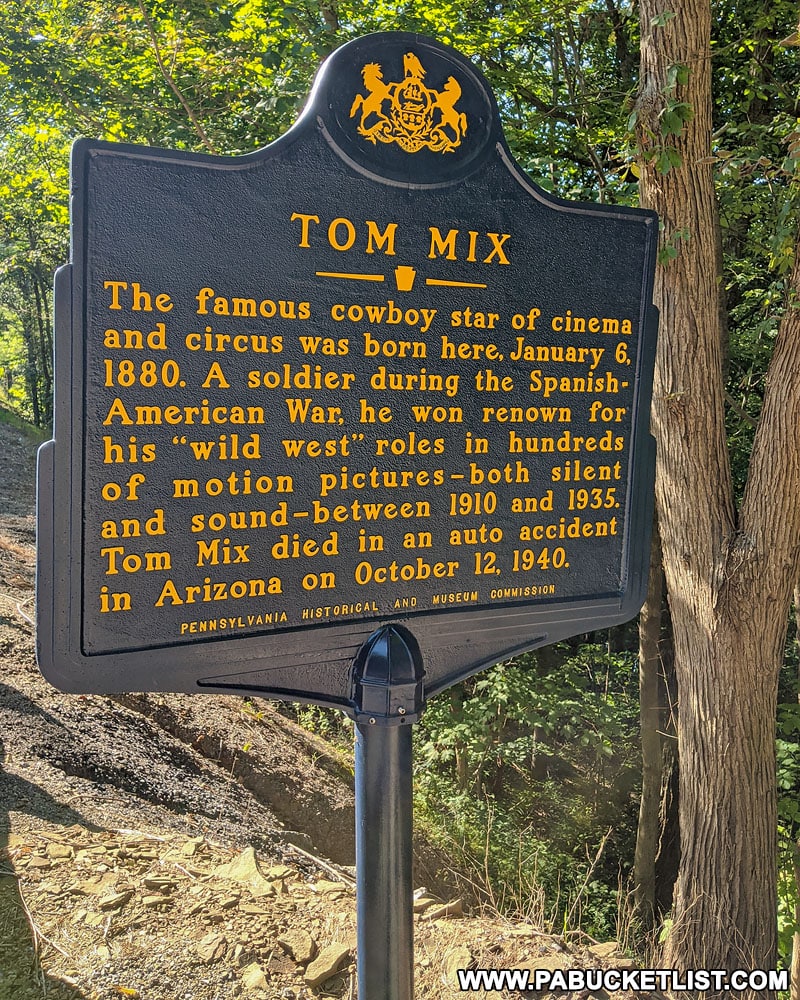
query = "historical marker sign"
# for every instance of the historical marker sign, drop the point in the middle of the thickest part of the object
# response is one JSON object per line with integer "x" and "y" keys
{"x": 368, "y": 374}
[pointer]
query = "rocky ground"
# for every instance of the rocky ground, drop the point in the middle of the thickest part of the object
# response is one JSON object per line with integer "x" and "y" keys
{"x": 173, "y": 847}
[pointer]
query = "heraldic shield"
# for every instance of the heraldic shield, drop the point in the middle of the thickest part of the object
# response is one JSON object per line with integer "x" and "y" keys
{"x": 409, "y": 113}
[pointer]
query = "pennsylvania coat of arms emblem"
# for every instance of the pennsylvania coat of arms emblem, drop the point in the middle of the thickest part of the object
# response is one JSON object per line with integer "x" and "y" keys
{"x": 408, "y": 112}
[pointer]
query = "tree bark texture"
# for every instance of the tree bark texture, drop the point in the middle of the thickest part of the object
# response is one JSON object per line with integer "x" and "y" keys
{"x": 729, "y": 573}
{"x": 657, "y": 843}
{"x": 649, "y": 825}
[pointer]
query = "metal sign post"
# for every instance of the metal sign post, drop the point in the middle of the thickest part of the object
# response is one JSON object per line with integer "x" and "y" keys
{"x": 388, "y": 695}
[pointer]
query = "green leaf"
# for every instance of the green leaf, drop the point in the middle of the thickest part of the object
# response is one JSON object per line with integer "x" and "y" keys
{"x": 662, "y": 19}
{"x": 677, "y": 73}
{"x": 671, "y": 124}
{"x": 667, "y": 253}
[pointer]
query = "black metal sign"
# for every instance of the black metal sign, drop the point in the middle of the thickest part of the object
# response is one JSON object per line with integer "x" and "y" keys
{"x": 369, "y": 374}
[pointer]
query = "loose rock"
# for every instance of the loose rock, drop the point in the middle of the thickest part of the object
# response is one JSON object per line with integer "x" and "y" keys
{"x": 115, "y": 900}
{"x": 605, "y": 950}
{"x": 299, "y": 944}
{"x": 245, "y": 869}
{"x": 455, "y": 908}
{"x": 253, "y": 977}
{"x": 459, "y": 958}
{"x": 327, "y": 964}
{"x": 212, "y": 948}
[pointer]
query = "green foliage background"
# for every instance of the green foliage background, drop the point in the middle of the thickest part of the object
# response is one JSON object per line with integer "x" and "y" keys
{"x": 529, "y": 771}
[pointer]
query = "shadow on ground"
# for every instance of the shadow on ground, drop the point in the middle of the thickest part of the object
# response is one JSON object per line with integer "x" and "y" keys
{"x": 21, "y": 943}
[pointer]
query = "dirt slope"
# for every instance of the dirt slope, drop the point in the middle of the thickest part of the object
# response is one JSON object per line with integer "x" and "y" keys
{"x": 78, "y": 768}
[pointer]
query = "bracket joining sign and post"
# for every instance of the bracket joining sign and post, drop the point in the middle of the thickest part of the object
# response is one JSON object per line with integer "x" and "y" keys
{"x": 344, "y": 421}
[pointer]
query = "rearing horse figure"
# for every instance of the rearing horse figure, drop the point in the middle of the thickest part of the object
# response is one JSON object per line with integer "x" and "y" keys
{"x": 456, "y": 120}
{"x": 373, "y": 102}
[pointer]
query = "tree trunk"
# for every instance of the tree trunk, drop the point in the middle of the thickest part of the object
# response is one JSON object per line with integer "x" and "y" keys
{"x": 729, "y": 577}
{"x": 669, "y": 848}
{"x": 657, "y": 849}
{"x": 794, "y": 989}
{"x": 31, "y": 370}
{"x": 649, "y": 825}
{"x": 45, "y": 351}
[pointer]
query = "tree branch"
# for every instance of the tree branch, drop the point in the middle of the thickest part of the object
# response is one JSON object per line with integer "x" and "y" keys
{"x": 548, "y": 110}
{"x": 168, "y": 77}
